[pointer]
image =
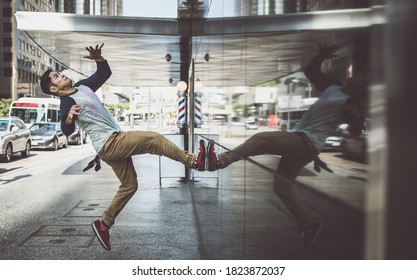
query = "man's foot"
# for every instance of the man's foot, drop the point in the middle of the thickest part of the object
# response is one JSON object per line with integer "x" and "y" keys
{"x": 212, "y": 158}
{"x": 103, "y": 234}
{"x": 201, "y": 157}
{"x": 310, "y": 235}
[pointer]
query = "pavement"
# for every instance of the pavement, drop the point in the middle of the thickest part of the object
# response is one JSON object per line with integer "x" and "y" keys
{"x": 230, "y": 214}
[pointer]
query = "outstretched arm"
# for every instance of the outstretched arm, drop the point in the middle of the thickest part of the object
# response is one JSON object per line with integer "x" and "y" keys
{"x": 313, "y": 70}
{"x": 103, "y": 72}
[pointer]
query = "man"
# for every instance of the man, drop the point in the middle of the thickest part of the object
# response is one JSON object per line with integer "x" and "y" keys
{"x": 80, "y": 104}
{"x": 335, "y": 105}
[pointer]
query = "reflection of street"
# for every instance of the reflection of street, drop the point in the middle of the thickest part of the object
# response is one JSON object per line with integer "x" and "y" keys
{"x": 231, "y": 136}
{"x": 336, "y": 159}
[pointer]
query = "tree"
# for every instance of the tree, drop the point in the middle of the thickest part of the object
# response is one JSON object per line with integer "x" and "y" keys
{"x": 5, "y": 106}
{"x": 117, "y": 109}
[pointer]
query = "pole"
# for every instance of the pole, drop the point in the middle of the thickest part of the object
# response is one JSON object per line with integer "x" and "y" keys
{"x": 192, "y": 108}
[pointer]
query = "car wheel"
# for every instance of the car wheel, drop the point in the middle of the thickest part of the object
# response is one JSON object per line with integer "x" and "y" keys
{"x": 26, "y": 152}
{"x": 7, "y": 157}
{"x": 55, "y": 145}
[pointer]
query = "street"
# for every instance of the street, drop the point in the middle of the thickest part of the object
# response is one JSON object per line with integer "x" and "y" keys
{"x": 48, "y": 203}
{"x": 42, "y": 159}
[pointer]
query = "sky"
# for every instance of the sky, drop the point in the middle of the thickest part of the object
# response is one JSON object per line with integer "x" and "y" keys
{"x": 168, "y": 8}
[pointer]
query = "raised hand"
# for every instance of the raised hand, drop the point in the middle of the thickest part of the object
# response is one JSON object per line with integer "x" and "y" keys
{"x": 94, "y": 53}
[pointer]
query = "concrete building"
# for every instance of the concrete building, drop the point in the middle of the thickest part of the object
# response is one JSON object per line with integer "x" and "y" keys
{"x": 22, "y": 61}
{"x": 90, "y": 7}
{"x": 8, "y": 63}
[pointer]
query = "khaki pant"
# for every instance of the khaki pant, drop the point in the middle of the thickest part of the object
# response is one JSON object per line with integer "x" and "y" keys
{"x": 117, "y": 153}
{"x": 296, "y": 151}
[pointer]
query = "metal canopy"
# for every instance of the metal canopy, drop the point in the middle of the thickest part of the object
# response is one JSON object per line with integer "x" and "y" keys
{"x": 241, "y": 51}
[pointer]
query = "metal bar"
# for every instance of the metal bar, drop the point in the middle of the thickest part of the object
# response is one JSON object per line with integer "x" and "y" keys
{"x": 323, "y": 20}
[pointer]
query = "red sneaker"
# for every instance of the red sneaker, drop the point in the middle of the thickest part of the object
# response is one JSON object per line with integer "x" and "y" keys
{"x": 201, "y": 157}
{"x": 212, "y": 158}
{"x": 103, "y": 234}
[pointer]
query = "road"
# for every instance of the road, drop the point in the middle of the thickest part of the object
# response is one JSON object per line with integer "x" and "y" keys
{"x": 43, "y": 159}
{"x": 47, "y": 202}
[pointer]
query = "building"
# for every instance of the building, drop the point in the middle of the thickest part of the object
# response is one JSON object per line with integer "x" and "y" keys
{"x": 90, "y": 7}
{"x": 22, "y": 62}
{"x": 8, "y": 63}
{"x": 275, "y": 7}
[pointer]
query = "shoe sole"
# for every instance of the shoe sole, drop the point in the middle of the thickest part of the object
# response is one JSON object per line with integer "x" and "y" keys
{"x": 205, "y": 156}
{"x": 208, "y": 157}
{"x": 314, "y": 239}
{"x": 98, "y": 236}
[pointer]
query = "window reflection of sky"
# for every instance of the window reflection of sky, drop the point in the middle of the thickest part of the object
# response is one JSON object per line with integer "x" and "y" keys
{"x": 169, "y": 8}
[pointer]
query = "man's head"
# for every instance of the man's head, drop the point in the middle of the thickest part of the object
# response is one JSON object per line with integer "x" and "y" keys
{"x": 55, "y": 83}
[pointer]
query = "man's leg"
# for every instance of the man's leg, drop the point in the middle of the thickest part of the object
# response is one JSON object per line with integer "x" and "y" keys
{"x": 273, "y": 142}
{"x": 287, "y": 171}
{"x": 284, "y": 187}
{"x": 131, "y": 143}
{"x": 126, "y": 173}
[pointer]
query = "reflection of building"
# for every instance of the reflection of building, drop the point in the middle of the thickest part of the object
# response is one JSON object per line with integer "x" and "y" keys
{"x": 259, "y": 7}
{"x": 22, "y": 62}
{"x": 275, "y": 7}
{"x": 90, "y": 7}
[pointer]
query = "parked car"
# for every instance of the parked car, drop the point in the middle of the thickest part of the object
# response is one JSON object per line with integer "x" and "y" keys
{"x": 333, "y": 142}
{"x": 251, "y": 125}
{"x": 293, "y": 123}
{"x": 47, "y": 135}
{"x": 354, "y": 146}
{"x": 79, "y": 136}
{"x": 14, "y": 137}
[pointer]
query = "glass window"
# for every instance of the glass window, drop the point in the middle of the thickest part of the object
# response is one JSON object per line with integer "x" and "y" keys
{"x": 7, "y": 42}
{"x": 7, "y": 57}
{"x": 7, "y": 27}
{"x": 7, "y": 71}
{"x": 7, "y": 12}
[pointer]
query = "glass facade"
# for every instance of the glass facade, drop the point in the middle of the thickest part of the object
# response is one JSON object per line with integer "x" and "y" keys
{"x": 249, "y": 64}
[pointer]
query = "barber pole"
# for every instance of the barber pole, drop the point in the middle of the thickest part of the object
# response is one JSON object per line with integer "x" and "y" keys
{"x": 197, "y": 111}
{"x": 181, "y": 111}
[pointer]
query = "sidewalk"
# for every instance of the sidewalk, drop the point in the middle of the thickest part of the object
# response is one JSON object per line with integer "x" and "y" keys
{"x": 234, "y": 216}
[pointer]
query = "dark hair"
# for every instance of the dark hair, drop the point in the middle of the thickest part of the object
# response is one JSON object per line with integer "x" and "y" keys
{"x": 46, "y": 82}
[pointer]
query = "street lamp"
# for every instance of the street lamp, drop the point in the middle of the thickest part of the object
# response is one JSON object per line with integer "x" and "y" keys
{"x": 181, "y": 86}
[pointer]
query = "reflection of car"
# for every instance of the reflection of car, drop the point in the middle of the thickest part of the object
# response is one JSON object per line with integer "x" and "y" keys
{"x": 284, "y": 126}
{"x": 333, "y": 142}
{"x": 14, "y": 137}
{"x": 251, "y": 125}
{"x": 47, "y": 136}
{"x": 354, "y": 145}
{"x": 77, "y": 136}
